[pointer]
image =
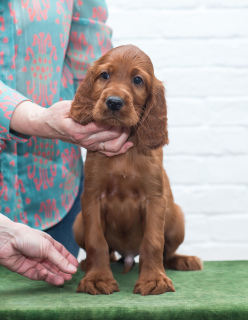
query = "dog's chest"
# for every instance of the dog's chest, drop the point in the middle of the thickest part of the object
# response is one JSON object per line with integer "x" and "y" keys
{"x": 122, "y": 185}
{"x": 122, "y": 204}
{"x": 122, "y": 200}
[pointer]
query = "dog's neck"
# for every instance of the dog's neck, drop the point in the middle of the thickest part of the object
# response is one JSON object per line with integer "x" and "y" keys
{"x": 137, "y": 148}
{"x": 133, "y": 138}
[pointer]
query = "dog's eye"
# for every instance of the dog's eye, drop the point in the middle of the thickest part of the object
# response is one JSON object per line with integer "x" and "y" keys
{"x": 137, "y": 80}
{"x": 105, "y": 75}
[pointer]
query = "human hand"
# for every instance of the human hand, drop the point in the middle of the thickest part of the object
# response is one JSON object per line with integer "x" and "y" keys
{"x": 92, "y": 136}
{"x": 34, "y": 254}
{"x": 54, "y": 123}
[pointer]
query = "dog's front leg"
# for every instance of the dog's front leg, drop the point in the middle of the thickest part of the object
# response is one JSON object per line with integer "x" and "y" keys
{"x": 98, "y": 278}
{"x": 152, "y": 278}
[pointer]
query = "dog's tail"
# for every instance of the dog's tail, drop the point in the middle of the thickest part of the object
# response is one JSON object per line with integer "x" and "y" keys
{"x": 128, "y": 263}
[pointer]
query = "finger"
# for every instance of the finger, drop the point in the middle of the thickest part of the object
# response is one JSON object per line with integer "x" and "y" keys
{"x": 85, "y": 136}
{"x": 115, "y": 145}
{"x": 54, "y": 279}
{"x": 61, "y": 249}
{"x": 124, "y": 149}
{"x": 49, "y": 277}
{"x": 56, "y": 258}
{"x": 50, "y": 267}
{"x": 34, "y": 270}
{"x": 90, "y": 128}
{"x": 92, "y": 141}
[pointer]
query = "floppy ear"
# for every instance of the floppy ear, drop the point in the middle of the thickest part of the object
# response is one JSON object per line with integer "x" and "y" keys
{"x": 152, "y": 131}
{"x": 82, "y": 105}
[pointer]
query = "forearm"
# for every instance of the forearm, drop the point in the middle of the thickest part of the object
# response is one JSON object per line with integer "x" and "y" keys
{"x": 27, "y": 119}
{"x": 31, "y": 119}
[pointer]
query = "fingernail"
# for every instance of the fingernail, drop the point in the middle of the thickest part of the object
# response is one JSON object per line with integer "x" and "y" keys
{"x": 72, "y": 268}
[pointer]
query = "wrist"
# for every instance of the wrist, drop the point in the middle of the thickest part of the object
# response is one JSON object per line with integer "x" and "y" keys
{"x": 7, "y": 231}
{"x": 4, "y": 221}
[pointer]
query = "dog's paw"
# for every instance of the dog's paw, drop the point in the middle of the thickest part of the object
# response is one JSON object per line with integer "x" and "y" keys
{"x": 98, "y": 285}
{"x": 156, "y": 285}
{"x": 184, "y": 263}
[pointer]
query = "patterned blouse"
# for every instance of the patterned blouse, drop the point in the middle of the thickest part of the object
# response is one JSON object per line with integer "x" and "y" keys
{"x": 46, "y": 47}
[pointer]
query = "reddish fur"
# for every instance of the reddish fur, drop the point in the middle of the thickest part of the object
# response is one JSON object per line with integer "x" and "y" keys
{"x": 127, "y": 204}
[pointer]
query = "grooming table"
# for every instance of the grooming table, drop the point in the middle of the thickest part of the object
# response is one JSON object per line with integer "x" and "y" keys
{"x": 220, "y": 291}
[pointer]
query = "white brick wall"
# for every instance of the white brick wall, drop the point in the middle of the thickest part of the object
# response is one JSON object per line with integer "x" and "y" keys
{"x": 199, "y": 48}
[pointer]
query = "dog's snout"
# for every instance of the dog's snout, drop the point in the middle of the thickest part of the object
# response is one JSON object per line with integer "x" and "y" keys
{"x": 114, "y": 103}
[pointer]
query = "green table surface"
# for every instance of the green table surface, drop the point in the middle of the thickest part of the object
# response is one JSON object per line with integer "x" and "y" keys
{"x": 220, "y": 291}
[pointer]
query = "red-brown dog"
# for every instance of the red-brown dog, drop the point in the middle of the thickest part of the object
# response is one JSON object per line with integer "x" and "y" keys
{"x": 127, "y": 203}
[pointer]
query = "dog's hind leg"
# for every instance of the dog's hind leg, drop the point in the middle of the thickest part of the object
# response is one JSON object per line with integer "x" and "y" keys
{"x": 78, "y": 230}
{"x": 174, "y": 236}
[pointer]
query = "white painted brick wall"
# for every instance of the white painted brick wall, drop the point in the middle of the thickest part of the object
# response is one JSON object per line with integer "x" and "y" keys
{"x": 199, "y": 48}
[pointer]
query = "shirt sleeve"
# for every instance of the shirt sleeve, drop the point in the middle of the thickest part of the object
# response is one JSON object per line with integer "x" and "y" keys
{"x": 9, "y": 100}
{"x": 89, "y": 38}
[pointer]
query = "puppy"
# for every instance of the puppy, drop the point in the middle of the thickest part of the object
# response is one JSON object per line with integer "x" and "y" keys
{"x": 127, "y": 203}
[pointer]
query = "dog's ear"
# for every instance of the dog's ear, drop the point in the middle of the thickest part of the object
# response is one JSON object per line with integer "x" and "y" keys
{"x": 82, "y": 105}
{"x": 152, "y": 131}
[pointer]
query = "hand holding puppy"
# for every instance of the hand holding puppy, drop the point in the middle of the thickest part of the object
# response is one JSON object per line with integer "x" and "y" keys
{"x": 54, "y": 123}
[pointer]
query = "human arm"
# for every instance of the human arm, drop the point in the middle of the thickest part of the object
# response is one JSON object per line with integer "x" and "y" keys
{"x": 34, "y": 254}
{"x": 9, "y": 100}
{"x": 20, "y": 119}
{"x": 53, "y": 123}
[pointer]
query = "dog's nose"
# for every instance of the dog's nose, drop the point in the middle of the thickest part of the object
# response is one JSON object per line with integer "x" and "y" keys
{"x": 114, "y": 103}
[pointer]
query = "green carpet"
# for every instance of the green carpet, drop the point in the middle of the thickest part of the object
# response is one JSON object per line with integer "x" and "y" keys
{"x": 220, "y": 291}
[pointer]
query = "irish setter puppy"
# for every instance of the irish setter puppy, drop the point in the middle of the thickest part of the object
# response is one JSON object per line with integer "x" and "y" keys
{"x": 127, "y": 203}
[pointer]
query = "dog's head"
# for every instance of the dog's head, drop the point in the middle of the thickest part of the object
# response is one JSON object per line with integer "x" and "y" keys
{"x": 120, "y": 89}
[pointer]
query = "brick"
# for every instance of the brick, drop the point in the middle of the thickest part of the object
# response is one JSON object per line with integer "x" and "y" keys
{"x": 185, "y": 112}
{"x": 152, "y": 23}
{"x": 207, "y": 141}
{"x": 210, "y": 251}
{"x": 227, "y": 170}
{"x": 204, "y": 82}
{"x": 195, "y": 229}
{"x": 193, "y": 52}
{"x": 201, "y": 170}
{"x": 232, "y": 228}
{"x": 226, "y": 3}
{"x": 227, "y": 112}
{"x": 185, "y": 170}
{"x": 156, "y": 4}
{"x": 212, "y": 199}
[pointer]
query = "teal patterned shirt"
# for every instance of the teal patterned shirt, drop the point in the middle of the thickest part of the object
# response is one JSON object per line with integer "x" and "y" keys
{"x": 46, "y": 47}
